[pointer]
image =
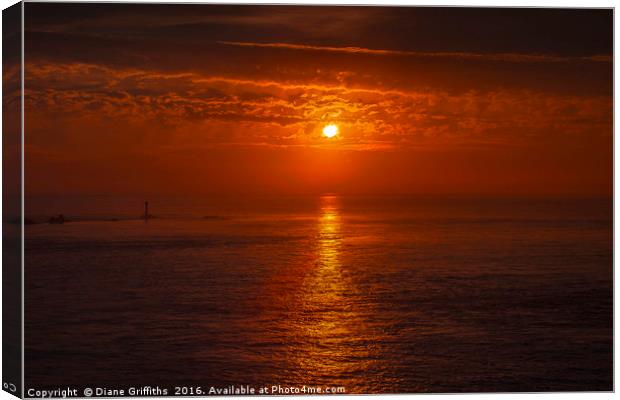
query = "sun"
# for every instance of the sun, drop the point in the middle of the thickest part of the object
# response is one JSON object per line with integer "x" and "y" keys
{"x": 330, "y": 130}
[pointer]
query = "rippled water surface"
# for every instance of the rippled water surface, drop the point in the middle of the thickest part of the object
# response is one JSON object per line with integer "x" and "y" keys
{"x": 378, "y": 295}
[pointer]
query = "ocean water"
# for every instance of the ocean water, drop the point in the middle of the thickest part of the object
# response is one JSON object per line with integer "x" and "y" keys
{"x": 371, "y": 294}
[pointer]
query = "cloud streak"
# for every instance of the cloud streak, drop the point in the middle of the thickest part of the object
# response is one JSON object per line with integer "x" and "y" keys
{"x": 494, "y": 57}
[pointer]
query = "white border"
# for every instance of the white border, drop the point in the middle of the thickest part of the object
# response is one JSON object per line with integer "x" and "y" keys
{"x": 478, "y": 3}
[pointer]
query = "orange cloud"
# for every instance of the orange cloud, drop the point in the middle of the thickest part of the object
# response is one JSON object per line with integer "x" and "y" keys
{"x": 367, "y": 114}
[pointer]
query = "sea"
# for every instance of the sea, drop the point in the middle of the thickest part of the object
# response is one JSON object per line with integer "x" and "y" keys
{"x": 347, "y": 294}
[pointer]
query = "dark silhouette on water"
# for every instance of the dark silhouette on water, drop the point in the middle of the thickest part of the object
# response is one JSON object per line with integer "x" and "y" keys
{"x": 60, "y": 219}
{"x": 146, "y": 215}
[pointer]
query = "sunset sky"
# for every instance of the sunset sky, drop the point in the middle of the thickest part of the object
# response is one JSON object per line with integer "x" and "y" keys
{"x": 204, "y": 99}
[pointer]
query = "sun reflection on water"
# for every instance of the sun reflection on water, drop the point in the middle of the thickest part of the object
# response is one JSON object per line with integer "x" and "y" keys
{"x": 335, "y": 348}
{"x": 324, "y": 321}
{"x": 329, "y": 237}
